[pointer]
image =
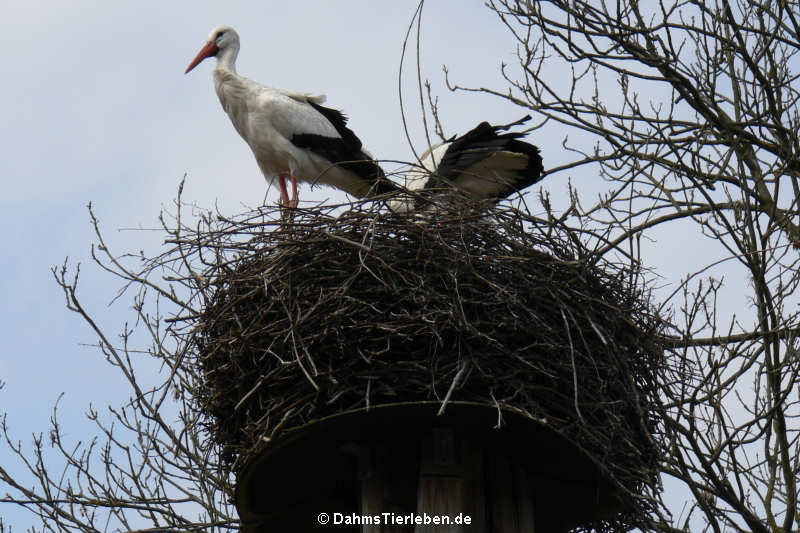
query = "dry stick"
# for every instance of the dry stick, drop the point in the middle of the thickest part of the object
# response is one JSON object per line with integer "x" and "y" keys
{"x": 572, "y": 360}
{"x": 346, "y": 240}
{"x": 456, "y": 380}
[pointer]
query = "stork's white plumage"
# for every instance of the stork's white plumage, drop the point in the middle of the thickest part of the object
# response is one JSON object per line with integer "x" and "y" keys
{"x": 483, "y": 163}
{"x": 291, "y": 134}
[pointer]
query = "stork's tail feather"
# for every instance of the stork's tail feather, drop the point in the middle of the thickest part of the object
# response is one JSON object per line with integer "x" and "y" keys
{"x": 510, "y": 125}
{"x": 501, "y": 161}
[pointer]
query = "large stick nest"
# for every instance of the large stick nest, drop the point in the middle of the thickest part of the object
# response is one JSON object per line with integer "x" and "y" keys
{"x": 325, "y": 314}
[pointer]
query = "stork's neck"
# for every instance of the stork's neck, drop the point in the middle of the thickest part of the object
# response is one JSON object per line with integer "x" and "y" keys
{"x": 226, "y": 58}
{"x": 231, "y": 87}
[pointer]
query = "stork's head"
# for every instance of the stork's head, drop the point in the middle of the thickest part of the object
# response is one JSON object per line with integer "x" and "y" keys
{"x": 221, "y": 40}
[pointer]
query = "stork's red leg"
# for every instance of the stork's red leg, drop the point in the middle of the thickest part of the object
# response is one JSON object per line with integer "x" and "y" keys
{"x": 295, "y": 200}
{"x": 284, "y": 193}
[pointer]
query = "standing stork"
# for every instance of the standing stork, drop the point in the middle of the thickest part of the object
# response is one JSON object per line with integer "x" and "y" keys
{"x": 483, "y": 163}
{"x": 291, "y": 134}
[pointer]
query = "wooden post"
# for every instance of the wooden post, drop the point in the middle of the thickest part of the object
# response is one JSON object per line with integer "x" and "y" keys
{"x": 388, "y": 485}
{"x": 441, "y": 481}
{"x": 459, "y": 477}
{"x": 398, "y": 462}
{"x": 510, "y": 500}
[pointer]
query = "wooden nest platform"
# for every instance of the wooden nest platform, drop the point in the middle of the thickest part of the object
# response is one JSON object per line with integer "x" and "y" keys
{"x": 353, "y": 312}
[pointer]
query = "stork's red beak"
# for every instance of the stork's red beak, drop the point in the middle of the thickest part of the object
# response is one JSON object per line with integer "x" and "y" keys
{"x": 209, "y": 50}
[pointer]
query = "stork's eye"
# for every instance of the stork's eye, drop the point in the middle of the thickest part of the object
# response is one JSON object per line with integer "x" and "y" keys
{"x": 219, "y": 35}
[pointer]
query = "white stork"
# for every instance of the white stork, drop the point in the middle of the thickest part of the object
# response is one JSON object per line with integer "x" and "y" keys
{"x": 482, "y": 163}
{"x": 292, "y": 136}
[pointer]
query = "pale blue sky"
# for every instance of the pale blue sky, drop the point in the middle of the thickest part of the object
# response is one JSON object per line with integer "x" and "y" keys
{"x": 96, "y": 108}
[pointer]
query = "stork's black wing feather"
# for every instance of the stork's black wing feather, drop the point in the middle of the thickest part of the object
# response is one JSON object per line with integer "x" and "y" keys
{"x": 345, "y": 151}
{"x": 482, "y": 142}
